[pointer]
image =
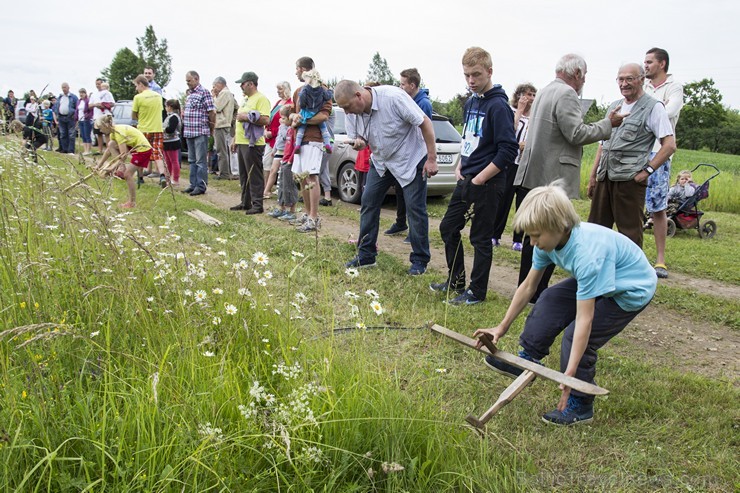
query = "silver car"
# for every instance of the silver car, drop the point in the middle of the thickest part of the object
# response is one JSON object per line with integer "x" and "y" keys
{"x": 342, "y": 162}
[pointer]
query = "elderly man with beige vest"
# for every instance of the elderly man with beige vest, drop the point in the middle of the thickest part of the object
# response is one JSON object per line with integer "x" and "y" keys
{"x": 225, "y": 105}
{"x": 623, "y": 162}
{"x": 555, "y": 141}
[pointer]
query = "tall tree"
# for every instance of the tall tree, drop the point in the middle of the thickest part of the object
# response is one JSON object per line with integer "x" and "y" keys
{"x": 124, "y": 68}
{"x": 380, "y": 72}
{"x": 701, "y": 117}
{"x": 154, "y": 53}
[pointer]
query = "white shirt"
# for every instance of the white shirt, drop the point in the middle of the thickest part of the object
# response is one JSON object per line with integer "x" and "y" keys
{"x": 658, "y": 122}
{"x": 671, "y": 94}
{"x": 103, "y": 96}
{"x": 392, "y": 132}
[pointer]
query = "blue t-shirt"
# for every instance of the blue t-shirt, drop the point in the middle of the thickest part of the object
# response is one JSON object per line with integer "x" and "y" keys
{"x": 603, "y": 263}
{"x": 48, "y": 115}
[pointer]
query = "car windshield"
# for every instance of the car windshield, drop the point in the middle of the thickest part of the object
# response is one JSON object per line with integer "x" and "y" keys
{"x": 445, "y": 133}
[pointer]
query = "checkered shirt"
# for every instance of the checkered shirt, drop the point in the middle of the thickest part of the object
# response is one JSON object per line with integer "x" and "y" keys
{"x": 197, "y": 106}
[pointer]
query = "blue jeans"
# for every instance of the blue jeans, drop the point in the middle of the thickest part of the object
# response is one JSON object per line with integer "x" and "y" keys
{"x": 197, "y": 152}
{"x": 67, "y": 133}
{"x": 86, "y": 131}
{"x": 415, "y": 194}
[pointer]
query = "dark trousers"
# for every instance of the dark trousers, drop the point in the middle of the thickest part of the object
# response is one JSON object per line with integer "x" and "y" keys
{"x": 620, "y": 202}
{"x": 251, "y": 178}
{"x": 555, "y": 312}
{"x": 484, "y": 200}
{"x": 502, "y": 216}
{"x": 400, "y": 206}
{"x": 67, "y": 133}
{"x": 525, "y": 263}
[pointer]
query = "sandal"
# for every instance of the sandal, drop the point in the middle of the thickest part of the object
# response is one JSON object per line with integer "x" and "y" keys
{"x": 661, "y": 271}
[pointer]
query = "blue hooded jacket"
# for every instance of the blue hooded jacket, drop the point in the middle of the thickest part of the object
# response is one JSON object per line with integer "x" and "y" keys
{"x": 488, "y": 134}
{"x": 422, "y": 101}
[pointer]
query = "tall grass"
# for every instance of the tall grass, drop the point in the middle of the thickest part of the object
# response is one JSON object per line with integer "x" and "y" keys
{"x": 144, "y": 351}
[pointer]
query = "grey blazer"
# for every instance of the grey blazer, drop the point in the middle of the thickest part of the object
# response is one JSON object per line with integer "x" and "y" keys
{"x": 555, "y": 140}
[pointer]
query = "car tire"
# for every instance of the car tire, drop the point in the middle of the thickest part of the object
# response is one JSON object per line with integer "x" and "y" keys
{"x": 348, "y": 183}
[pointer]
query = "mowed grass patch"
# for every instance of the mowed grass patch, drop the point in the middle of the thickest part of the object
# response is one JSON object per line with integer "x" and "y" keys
{"x": 169, "y": 364}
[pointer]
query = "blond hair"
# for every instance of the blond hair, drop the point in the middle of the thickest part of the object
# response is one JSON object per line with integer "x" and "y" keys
{"x": 684, "y": 172}
{"x": 546, "y": 209}
{"x": 104, "y": 123}
{"x": 475, "y": 56}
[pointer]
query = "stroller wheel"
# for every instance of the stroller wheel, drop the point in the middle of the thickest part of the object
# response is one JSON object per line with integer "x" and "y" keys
{"x": 671, "y": 228}
{"x": 708, "y": 229}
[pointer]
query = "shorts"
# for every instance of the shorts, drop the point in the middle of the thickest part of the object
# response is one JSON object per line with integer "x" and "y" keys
{"x": 656, "y": 195}
{"x": 309, "y": 159}
{"x": 156, "y": 139}
{"x": 141, "y": 159}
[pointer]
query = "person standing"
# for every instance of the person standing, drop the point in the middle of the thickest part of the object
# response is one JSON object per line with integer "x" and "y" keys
{"x": 66, "y": 112}
{"x": 225, "y": 105}
{"x": 171, "y": 132}
{"x": 555, "y": 141}
{"x": 623, "y": 162}
{"x": 149, "y": 74}
{"x": 489, "y": 147}
{"x": 660, "y": 85}
{"x": 255, "y": 111}
{"x": 85, "y": 121}
{"x": 401, "y": 136}
{"x": 101, "y": 102}
{"x": 9, "y": 104}
{"x": 147, "y": 109}
{"x": 271, "y": 162}
{"x": 198, "y": 124}
{"x": 410, "y": 82}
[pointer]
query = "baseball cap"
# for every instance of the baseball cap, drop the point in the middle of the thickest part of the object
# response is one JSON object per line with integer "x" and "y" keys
{"x": 248, "y": 77}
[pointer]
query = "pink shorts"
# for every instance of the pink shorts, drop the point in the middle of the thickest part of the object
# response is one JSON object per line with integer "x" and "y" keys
{"x": 141, "y": 159}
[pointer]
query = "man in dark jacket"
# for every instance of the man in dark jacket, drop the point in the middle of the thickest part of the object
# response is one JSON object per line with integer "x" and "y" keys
{"x": 489, "y": 148}
{"x": 66, "y": 111}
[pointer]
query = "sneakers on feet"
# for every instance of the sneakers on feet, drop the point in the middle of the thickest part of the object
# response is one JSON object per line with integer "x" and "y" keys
{"x": 277, "y": 213}
{"x": 162, "y": 181}
{"x": 661, "y": 271}
{"x": 395, "y": 229}
{"x": 407, "y": 240}
{"x": 495, "y": 242}
{"x": 578, "y": 411}
{"x": 357, "y": 263}
{"x": 517, "y": 246}
{"x": 505, "y": 368}
{"x": 417, "y": 269}
{"x": 444, "y": 287}
{"x": 466, "y": 298}
{"x": 288, "y": 216}
{"x": 308, "y": 226}
{"x": 299, "y": 220}
{"x": 325, "y": 202}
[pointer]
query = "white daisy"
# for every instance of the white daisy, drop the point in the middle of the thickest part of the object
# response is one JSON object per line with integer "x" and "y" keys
{"x": 377, "y": 308}
{"x": 260, "y": 258}
{"x": 230, "y": 309}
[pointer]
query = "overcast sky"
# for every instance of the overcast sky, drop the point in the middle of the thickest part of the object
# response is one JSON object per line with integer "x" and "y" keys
{"x": 73, "y": 41}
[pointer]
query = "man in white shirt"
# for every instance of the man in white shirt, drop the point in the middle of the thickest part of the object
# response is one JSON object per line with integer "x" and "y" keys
{"x": 660, "y": 85}
{"x": 101, "y": 101}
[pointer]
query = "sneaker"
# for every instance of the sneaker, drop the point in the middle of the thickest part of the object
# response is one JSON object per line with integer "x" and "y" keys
{"x": 417, "y": 269}
{"x": 277, "y": 213}
{"x": 517, "y": 246}
{"x": 444, "y": 287}
{"x": 661, "y": 271}
{"x": 407, "y": 240}
{"x": 325, "y": 202}
{"x": 190, "y": 189}
{"x": 357, "y": 263}
{"x": 466, "y": 298}
{"x": 395, "y": 229}
{"x": 505, "y": 368}
{"x": 578, "y": 411}
{"x": 495, "y": 242}
{"x": 288, "y": 216}
{"x": 298, "y": 221}
{"x": 308, "y": 226}
{"x": 163, "y": 181}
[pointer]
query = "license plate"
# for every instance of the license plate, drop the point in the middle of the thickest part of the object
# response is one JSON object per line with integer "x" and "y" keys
{"x": 444, "y": 158}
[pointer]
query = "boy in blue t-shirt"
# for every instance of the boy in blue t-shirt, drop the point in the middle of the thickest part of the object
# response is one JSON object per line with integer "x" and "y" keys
{"x": 47, "y": 122}
{"x": 612, "y": 281}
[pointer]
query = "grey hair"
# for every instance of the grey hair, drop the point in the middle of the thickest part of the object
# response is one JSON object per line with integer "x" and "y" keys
{"x": 640, "y": 68}
{"x": 570, "y": 64}
{"x": 219, "y": 80}
{"x": 285, "y": 85}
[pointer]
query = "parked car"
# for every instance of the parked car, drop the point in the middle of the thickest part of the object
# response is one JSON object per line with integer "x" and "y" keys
{"x": 122, "y": 113}
{"x": 342, "y": 161}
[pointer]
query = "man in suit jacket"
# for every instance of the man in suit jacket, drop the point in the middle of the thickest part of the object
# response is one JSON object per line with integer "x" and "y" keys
{"x": 555, "y": 141}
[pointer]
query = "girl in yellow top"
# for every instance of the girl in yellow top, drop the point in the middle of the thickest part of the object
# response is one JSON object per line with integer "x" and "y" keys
{"x": 125, "y": 139}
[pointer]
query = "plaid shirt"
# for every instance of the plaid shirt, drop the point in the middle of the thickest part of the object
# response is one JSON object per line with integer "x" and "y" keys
{"x": 197, "y": 106}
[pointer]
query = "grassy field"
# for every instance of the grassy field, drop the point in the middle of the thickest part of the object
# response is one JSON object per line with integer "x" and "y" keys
{"x": 145, "y": 351}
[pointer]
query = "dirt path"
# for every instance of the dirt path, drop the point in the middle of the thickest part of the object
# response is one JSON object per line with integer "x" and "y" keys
{"x": 658, "y": 335}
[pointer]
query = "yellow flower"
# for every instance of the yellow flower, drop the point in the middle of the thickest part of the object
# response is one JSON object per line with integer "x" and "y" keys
{"x": 24, "y": 394}
{"x": 36, "y": 304}
{"x": 23, "y": 305}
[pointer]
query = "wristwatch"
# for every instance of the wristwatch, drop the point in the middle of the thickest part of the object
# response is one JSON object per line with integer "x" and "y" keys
{"x": 649, "y": 169}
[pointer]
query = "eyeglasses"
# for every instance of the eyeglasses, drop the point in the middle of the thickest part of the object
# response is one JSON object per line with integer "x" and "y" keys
{"x": 628, "y": 80}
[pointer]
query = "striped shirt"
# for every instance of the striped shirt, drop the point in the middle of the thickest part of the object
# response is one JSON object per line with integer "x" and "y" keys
{"x": 392, "y": 131}
{"x": 197, "y": 106}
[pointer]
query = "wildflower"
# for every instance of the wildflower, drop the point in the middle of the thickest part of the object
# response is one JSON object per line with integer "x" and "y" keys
{"x": 267, "y": 274}
{"x": 351, "y": 295}
{"x": 200, "y": 295}
{"x": 260, "y": 258}
{"x": 243, "y": 264}
{"x": 244, "y": 292}
{"x": 180, "y": 256}
{"x": 24, "y": 394}
{"x": 377, "y": 308}
{"x": 262, "y": 282}
{"x": 221, "y": 253}
{"x": 208, "y": 431}
{"x": 23, "y": 305}
{"x": 35, "y": 304}
{"x": 187, "y": 293}
{"x": 352, "y": 272}
{"x": 217, "y": 291}
{"x": 94, "y": 334}
{"x": 150, "y": 299}
{"x": 216, "y": 321}
{"x": 372, "y": 293}
{"x": 222, "y": 240}
{"x": 230, "y": 309}
{"x": 300, "y": 297}
{"x": 441, "y": 370}
{"x": 296, "y": 255}
{"x": 389, "y": 467}
{"x": 361, "y": 325}
{"x": 209, "y": 354}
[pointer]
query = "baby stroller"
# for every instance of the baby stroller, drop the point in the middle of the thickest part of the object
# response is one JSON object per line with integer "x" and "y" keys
{"x": 687, "y": 215}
